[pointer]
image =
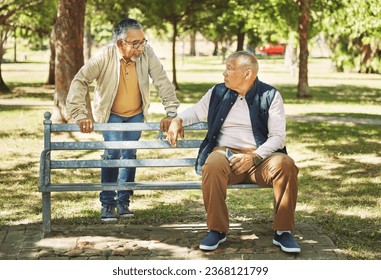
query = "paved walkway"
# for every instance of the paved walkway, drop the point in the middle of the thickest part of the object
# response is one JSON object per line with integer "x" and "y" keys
{"x": 119, "y": 241}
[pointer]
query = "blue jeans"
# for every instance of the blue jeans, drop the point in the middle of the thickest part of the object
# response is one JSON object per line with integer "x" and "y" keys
{"x": 115, "y": 174}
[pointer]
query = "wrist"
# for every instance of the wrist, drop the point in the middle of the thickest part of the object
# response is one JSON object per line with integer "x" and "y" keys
{"x": 257, "y": 159}
{"x": 171, "y": 114}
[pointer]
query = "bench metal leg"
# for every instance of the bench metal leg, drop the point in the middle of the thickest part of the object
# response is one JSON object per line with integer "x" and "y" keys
{"x": 46, "y": 212}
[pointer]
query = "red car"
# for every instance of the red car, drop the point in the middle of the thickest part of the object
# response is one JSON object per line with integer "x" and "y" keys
{"x": 270, "y": 49}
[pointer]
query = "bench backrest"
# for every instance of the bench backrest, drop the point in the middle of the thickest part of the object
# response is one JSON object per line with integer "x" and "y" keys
{"x": 47, "y": 164}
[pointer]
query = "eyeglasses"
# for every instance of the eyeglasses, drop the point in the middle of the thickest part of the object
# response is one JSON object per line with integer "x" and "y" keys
{"x": 136, "y": 45}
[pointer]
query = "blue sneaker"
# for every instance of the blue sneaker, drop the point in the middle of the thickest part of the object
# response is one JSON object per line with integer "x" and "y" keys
{"x": 212, "y": 240}
{"x": 108, "y": 213}
{"x": 123, "y": 210}
{"x": 286, "y": 242}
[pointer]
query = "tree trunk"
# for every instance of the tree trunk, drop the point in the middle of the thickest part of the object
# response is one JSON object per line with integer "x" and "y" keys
{"x": 366, "y": 55}
{"x": 215, "y": 51}
{"x": 15, "y": 46}
{"x": 88, "y": 39}
{"x": 303, "y": 87}
{"x": 69, "y": 51}
{"x": 192, "y": 51}
{"x": 3, "y": 86}
{"x": 240, "y": 38}
{"x": 52, "y": 60}
{"x": 3, "y": 38}
{"x": 175, "y": 31}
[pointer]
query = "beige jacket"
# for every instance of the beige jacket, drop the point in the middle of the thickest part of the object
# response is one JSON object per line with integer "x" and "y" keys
{"x": 104, "y": 67}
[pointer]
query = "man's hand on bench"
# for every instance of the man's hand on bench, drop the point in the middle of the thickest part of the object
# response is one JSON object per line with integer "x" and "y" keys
{"x": 165, "y": 123}
{"x": 86, "y": 125}
{"x": 175, "y": 129}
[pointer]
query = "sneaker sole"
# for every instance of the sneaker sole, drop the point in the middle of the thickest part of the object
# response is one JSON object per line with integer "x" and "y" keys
{"x": 108, "y": 219}
{"x": 211, "y": 248}
{"x": 285, "y": 249}
{"x": 126, "y": 215}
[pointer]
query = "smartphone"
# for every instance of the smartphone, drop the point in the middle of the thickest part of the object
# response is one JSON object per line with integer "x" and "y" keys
{"x": 228, "y": 154}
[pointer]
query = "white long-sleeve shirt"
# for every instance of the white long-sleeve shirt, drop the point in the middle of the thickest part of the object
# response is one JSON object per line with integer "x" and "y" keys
{"x": 236, "y": 131}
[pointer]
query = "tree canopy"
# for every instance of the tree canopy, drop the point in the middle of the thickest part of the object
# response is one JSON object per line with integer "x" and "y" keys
{"x": 27, "y": 18}
{"x": 351, "y": 27}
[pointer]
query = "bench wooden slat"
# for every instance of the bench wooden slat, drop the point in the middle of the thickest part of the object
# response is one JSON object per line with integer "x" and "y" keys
{"x": 173, "y": 185}
{"x": 158, "y": 144}
{"x": 162, "y": 162}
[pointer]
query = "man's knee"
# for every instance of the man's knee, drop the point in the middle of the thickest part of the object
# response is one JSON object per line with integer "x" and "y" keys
{"x": 216, "y": 163}
{"x": 284, "y": 163}
{"x": 289, "y": 164}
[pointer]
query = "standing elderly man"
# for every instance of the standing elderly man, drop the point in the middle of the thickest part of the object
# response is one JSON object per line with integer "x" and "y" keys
{"x": 122, "y": 71}
{"x": 245, "y": 117}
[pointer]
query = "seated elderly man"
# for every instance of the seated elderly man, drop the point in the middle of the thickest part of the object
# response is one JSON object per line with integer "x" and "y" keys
{"x": 245, "y": 118}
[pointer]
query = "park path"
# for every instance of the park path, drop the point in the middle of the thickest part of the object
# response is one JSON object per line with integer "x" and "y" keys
{"x": 121, "y": 241}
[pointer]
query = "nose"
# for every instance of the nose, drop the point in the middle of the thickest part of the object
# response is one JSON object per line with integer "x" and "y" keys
{"x": 224, "y": 73}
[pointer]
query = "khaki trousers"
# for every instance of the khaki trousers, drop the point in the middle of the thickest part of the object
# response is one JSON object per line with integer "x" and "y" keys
{"x": 277, "y": 171}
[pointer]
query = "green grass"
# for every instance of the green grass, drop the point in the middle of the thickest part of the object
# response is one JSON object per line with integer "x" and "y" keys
{"x": 340, "y": 180}
{"x": 347, "y": 94}
{"x": 347, "y": 115}
{"x": 340, "y": 183}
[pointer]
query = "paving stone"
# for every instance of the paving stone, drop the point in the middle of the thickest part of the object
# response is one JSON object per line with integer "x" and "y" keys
{"x": 28, "y": 254}
{"x": 12, "y": 241}
{"x": 53, "y": 257}
{"x": 3, "y": 234}
{"x": 116, "y": 258}
{"x": 161, "y": 242}
{"x": 45, "y": 253}
{"x": 98, "y": 258}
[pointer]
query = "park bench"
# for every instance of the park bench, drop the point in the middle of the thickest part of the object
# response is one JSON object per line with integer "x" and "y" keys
{"x": 48, "y": 163}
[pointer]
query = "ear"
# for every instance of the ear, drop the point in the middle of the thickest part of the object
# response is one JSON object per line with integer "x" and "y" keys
{"x": 119, "y": 43}
{"x": 248, "y": 73}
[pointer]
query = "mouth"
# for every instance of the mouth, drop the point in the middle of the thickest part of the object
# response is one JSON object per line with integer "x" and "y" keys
{"x": 136, "y": 57}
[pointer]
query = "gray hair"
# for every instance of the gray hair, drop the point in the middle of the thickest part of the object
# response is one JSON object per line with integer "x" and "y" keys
{"x": 246, "y": 60}
{"x": 121, "y": 29}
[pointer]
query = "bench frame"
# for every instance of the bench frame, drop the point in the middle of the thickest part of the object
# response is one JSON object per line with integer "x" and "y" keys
{"x": 46, "y": 187}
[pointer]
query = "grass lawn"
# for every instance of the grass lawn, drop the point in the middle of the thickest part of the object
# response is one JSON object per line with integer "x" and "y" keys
{"x": 340, "y": 178}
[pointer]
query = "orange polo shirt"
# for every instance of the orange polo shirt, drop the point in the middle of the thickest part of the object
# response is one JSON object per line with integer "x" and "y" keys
{"x": 128, "y": 100}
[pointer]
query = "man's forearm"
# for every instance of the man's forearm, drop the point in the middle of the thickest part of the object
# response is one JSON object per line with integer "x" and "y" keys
{"x": 189, "y": 117}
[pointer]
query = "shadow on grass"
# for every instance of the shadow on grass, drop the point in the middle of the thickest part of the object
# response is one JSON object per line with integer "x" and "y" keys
{"x": 346, "y": 115}
{"x": 12, "y": 108}
{"x": 35, "y": 91}
{"x": 335, "y": 139}
{"x": 25, "y": 135}
{"x": 339, "y": 93}
{"x": 192, "y": 92}
{"x": 343, "y": 196}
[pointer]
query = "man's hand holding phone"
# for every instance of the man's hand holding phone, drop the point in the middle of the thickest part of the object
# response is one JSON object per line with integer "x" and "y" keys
{"x": 240, "y": 163}
{"x": 229, "y": 154}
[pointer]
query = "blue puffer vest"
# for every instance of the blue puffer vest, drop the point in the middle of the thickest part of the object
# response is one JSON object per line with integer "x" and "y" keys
{"x": 259, "y": 99}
